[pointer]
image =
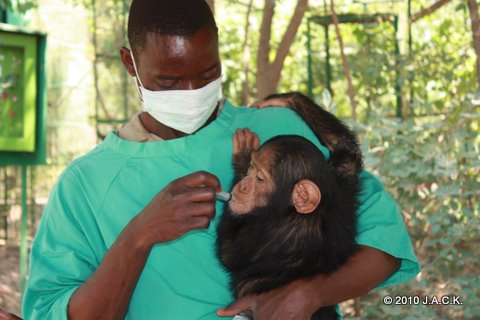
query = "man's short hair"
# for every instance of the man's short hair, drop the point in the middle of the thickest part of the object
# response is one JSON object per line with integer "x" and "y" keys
{"x": 167, "y": 17}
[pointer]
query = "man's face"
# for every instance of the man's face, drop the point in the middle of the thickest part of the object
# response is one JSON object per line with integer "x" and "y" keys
{"x": 178, "y": 63}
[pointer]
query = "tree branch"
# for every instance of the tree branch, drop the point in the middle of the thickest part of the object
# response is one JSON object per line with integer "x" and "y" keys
{"x": 475, "y": 22}
{"x": 429, "y": 10}
{"x": 346, "y": 68}
{"x": 263, "y": 61}
{"x": 287, "y": 39}
{"x": 246, "y": 56}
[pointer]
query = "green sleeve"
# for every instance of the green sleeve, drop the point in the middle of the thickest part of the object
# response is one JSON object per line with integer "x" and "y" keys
{"x": 60, "y": 259}
{"x": 381, "y": 226}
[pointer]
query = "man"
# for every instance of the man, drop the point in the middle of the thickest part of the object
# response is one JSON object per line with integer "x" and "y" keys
{"x": 129, "y": 229}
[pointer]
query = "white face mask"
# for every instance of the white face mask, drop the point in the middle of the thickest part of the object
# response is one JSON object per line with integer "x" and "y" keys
{"x": 183, "y": 110}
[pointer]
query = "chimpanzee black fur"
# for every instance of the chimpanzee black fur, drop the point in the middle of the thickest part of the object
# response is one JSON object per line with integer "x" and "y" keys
{"x": 274, "y": 245}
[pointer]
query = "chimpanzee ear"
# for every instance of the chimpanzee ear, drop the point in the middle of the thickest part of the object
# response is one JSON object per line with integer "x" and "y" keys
{"x": 306, "y": 196}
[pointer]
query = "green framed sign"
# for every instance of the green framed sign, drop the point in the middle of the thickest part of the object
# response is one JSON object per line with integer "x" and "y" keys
{"x": 22, "y": 96}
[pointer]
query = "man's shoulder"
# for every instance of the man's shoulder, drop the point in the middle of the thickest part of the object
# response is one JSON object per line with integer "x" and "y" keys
{"x": 269, "y": 121}
{"x": 98, "y": 162}
{"x": 251, "y": 114}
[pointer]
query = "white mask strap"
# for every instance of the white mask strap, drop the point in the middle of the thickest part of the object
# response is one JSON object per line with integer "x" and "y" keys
{"x": 137, "y": 77}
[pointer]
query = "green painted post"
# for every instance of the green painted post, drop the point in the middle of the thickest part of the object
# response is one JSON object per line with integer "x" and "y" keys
{"x": 5, "y": 201}
{"x": 23, "y": 232}
{"x": 125, "y": 77}
{"x": 398, "y": 85}
{"x": 328, "y": 67}
{"x": 3, "y": 15}
{"x": 33, "y": 213}
{"x": 309, "y": 60}
{"x": 409, "y": 12}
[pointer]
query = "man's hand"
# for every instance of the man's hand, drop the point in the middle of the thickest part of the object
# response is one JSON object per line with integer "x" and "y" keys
{"x": 300, "y": 299}
{"x": 185, "y": 204}
{"x": 274, "y": 102}
{"x": 295, "y": 301}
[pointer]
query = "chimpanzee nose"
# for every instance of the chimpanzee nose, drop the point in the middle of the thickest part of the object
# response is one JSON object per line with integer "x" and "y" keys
{"x": 245, "y": 185}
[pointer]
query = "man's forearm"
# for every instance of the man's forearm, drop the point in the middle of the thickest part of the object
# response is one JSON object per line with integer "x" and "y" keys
{"x": 364, "y": 271}
{"x": 107, "y": 293}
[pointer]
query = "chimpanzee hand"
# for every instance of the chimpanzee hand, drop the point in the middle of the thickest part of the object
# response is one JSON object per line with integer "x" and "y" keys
{"x": 294, "y": 301}
{"x": 245, "y": 141}
{"x": 185, "y": 204}
{"x": 8, "y": 316}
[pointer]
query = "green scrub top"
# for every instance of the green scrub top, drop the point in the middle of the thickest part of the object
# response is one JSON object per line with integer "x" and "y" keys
{"x": 98, "y": 194}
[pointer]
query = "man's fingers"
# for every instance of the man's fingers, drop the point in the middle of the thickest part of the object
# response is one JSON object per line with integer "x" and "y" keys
{"x": 236, "y": 307}
{"x": 275, "y": 102}
{"x": 199, "y": 223}
{"x": 206, "y": 209}
{"x": 199, "y": 179}
{"x": 197, "y": 194}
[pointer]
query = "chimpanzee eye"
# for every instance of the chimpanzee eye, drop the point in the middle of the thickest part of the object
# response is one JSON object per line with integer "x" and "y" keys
{"x": 260, "y": 179}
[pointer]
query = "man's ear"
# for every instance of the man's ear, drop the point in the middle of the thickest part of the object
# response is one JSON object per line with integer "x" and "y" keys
{"x": 126, "y": 58}
{"x": 306, "y": 196}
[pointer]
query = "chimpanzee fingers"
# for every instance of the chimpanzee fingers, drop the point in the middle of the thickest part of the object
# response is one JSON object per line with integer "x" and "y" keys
{"x": 252, "y": 141}
{"x": 239, "y": 139}
{"x": 4, "y": 315}
{"x": 256, "y": 142}
{"x": 245, "y": 140}
{"x": 236, "y": 143}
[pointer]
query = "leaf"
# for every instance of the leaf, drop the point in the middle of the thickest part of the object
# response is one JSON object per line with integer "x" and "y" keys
{"x": 327, "y": 100}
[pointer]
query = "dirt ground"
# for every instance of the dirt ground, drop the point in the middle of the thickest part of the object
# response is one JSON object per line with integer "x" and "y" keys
{"x": 9, "y": 278}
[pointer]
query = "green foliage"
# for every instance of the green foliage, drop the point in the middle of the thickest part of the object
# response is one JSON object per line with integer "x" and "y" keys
{"x": 231, "y": 24}
{"x": 431, "y": 165}
{"x": 429, "y": 161}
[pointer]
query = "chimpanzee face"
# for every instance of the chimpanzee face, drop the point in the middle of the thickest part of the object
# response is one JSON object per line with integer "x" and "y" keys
{"x": 254, "y": 189}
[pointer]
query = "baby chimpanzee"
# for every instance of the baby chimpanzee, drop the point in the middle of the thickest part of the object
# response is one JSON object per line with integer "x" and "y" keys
{"x": 292, "y": 213}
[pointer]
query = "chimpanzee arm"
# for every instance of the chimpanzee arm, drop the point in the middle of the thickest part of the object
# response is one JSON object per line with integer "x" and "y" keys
{"x": 346, "y": 156}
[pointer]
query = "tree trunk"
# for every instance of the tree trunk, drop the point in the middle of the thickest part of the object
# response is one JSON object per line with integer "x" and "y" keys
{"x": 263, "y": 61}
{"x": 475, "y": 22}
{"x": 246, "y": 56}
{"x": 346, "y": 68}
{"x": 269, "y": 73}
